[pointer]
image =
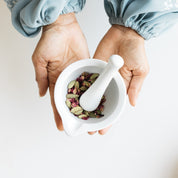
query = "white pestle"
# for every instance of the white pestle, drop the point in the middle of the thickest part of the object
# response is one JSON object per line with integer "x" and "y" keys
{"x": 90, "y": 100}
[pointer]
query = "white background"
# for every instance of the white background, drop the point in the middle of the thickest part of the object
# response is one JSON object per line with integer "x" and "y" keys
{"x": 144, "y": 144}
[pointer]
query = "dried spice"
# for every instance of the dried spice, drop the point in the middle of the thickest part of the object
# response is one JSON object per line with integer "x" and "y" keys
{"x": 68, "y": 103}
{"x": 94, "y": 76}
{"x": 72, "y": 96}
{"x": 75, "y": 89}
{"x": 71, "y": 84}
{"x": 77, "y": 110}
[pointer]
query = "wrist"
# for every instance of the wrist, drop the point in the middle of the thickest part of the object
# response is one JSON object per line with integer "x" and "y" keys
{"x": 62, "y": 20}
{"x": 126, "y": 33}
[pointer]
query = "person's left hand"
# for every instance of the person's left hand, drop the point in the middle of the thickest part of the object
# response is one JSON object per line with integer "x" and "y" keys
{"x": 130, "y": 46}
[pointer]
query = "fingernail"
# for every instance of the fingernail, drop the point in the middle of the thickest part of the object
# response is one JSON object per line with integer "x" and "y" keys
{"x": 40, "y": 94}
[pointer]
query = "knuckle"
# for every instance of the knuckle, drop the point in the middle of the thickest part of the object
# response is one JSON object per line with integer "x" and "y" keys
{"x": 51, "y": 85}
{"x": 38, "y": 60}
{"x": 34, "y": 57}
{"x": 144, "y": 71}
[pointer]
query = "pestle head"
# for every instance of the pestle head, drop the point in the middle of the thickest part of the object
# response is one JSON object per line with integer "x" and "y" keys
{"x": 117, "y": 61}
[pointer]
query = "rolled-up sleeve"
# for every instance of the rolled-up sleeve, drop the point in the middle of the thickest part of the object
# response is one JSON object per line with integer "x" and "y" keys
{"x": 28, "y": 16}
{"x": 149, "y": 18}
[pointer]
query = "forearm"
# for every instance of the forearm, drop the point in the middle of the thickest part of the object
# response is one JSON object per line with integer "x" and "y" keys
{"x": 29, "y": 16}
{"x": 62, "y": 20}
{"x": 148, "y": 18}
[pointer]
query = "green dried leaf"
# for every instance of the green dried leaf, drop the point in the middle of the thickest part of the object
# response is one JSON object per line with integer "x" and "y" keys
{"x": 83, "y": 88}
{"x": 94, "y": 76}
{"x": 68, "y": 103}
{"x": 77, "y": 85}
{"x": 92, "y": 115}
{"x": 77, "y": 110}
{"x": 86, "y": 113}
{"x": 85, "y": 83}
{"x": 92, "y": 81}
{"x": 98, "y": 111}
{"x": 71, "y": 96}
{"x": 71, "y": 84}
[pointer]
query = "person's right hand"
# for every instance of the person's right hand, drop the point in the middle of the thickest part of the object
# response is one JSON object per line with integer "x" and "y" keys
{"x": 61, "y": 44}
{"x": 130, "y": 46}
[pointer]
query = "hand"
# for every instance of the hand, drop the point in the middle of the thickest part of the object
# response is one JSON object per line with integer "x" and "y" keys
{"x": 130, "y": 46}
{"x": 61, "y": 44}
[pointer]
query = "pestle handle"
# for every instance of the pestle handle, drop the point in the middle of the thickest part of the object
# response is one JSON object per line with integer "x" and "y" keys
{"x": 90, "y": 100}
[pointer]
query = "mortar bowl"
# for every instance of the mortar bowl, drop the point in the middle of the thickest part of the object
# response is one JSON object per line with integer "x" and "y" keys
{"x": 115, "y": 98}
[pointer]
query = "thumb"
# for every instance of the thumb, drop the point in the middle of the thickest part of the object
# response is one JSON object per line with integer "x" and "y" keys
{"x": 104, "y": 50}
{"x": 40, "y": 66}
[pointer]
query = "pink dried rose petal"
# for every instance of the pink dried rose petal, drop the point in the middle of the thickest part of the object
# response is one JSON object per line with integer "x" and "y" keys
{"x": 85, "y": 118}
{"x": 80, "y": 79}
{"x": 75, "y": 91}
{"x": 74, "y": 104}
{"x": 70, "y": 90}
{"x": 72, "y": 100}
{"x": 101, "y": 108}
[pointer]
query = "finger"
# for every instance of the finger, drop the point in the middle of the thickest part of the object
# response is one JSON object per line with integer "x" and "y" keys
{"x": 104, "y": 131}
{"x": 126, "y": 75}
{"x": 92, "y": 133}
{"x": 136, "y": 85}
{"x": 56, "y": 114}
{"x": 40, "y": 66}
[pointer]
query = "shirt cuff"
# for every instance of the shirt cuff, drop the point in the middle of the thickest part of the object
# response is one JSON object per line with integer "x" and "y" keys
{"x": 29, "y": 17}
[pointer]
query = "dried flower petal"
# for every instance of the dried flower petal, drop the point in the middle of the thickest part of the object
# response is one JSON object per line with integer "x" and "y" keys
{"x": 75, "y": 91}
{"x": 85, "y": 118}
{"x": 72, "y": 100}
{"x": 82, "y": 78}
{"x": 101, "y": 108}
{"x": 74, "y": 104}
{"x": 70, "y": 90}
{"x": 82, "y": 115}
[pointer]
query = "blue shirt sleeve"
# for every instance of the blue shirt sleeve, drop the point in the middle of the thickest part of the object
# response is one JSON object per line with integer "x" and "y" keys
{"x": 28, "y": 16}
{"x": 149, "y": 18}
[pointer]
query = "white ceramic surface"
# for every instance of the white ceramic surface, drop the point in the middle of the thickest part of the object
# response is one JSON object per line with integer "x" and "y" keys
{"x": 115, "y": 98}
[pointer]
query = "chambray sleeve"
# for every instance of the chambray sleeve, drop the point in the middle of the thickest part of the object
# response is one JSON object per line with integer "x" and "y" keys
{"x": 28, "y": 16}
{"x": 149, "y": 18}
